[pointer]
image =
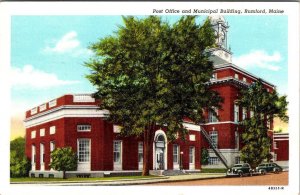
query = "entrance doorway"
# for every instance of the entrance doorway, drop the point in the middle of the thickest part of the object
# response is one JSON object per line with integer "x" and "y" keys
{"x": 160, "y": 152}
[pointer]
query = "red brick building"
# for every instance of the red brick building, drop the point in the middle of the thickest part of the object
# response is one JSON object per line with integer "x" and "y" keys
{"x": 281, "y": 148}
{"x": 75, "y": 120}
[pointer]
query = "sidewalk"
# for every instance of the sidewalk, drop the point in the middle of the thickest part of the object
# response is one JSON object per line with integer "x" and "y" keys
{"x": 128, "y": 181}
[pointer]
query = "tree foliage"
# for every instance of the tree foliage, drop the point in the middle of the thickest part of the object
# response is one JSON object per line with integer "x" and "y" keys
{"x": 265, "y": 106}
{"x": 19, "y": 164}
{"x": 64, "y": 159}
{"x": 204, "y": 156}
{"x": 152, "y": 73}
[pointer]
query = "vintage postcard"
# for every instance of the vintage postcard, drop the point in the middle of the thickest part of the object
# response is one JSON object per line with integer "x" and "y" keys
{"x": 127, "y": 97}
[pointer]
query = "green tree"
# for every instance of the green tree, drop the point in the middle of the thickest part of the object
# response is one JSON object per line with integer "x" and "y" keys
{"x": 204, "y": 156}
{"x": 265, "y": 106}
{"x": 63, "y": 159}
{"x": 153, "y": 73}
{"x": 19, "y": 164}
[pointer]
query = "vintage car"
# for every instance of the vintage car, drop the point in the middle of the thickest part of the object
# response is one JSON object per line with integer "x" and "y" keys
{"x": 268, "y": 167}
{"x": 240, "y": 170}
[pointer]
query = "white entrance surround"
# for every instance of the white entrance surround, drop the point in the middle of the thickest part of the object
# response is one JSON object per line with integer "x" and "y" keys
{"x": 155, "y": 164}
{"x": 84, "y": 154}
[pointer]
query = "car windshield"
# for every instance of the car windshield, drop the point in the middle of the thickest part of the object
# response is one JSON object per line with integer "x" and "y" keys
{"x": 238, "y": 165}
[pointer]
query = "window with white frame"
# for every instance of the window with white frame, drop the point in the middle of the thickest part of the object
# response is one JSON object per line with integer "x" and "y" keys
{"x": 42, "y": 132}
{"x": 213, "y": 161}
{"x": 236, "y": 76}
{"x": 84, "y": 127}
{"x": 192, "y": 154}
{"x": 52, "y": 146}
{"x": 192, "y": 137}
{"x": 214, "y": 76}
{"x": 175, "y": 153}
{"x": 52, "y": 130}
{"x": 237, "y": 139}
{"x": 212, "y": 117}
{"x": 83, "y": 150}
{"x": 42, "y": 153}
{"x": 244, "y": 113}
{"x": 33, "y": 154}
{"x": 33, "y": 134}
{"x": 117, "y": 151}
{"x": 236, "y": 113}
{"x": 244, "y": 79}
{"x": 275, "y": 157}
{"x": 140, "y": 152}
{"x": 237, "y": 160}
{"x": 214, "y": 137}
{"x": 251, "y": 113}
{"x": 275, "y": 145}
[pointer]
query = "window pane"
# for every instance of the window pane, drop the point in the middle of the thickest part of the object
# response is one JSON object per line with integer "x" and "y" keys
{"x": 191, "y": 154}
{"x": 140, "y": 152}
{"x": 117, "y": 151}
{"x": 175, "y": 153}
{"x": 84, "y": 150}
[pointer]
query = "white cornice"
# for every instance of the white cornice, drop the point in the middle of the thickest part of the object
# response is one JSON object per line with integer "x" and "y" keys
{"x": 223, "y": 122}
{"x": 65, "y": 112}
{"x": 240, "y": 70}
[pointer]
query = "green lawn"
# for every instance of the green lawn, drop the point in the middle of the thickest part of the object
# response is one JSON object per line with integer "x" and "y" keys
{"x": 213, "y": 170}
{"x": 29, "y": 179}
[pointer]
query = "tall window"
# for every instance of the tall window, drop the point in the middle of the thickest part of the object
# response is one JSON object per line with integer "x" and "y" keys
{"x": 175, "y": 153}
{"x": 236, "y": 113}
{"x": 237, "y": 139}
{"x": 212, "y": 117}
{"x": 192, "y": 154}
{"x": 251, "y": 113}
{"x": 42, "y": 154}
{"x": 140, "y": 152}
{"x": 214, "y": 137}
{"x": 117, "y": 151}
{"x": 33, "y": 154}
{"x": 237, "y": 160}
{"x": 52, "y": 147}
{"x": 83, "y": 150}
{"x": 244, "y": 113}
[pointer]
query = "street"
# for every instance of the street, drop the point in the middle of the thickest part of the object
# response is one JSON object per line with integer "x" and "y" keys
{"x": 271, "y": 179}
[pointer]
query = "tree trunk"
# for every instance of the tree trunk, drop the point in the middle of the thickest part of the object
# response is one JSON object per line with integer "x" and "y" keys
{"x": 147, "y": 148}
{"x": 64, "y": 174}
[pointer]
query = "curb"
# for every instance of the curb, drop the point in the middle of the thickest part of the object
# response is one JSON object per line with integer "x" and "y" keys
{"x": 121, "y": 182}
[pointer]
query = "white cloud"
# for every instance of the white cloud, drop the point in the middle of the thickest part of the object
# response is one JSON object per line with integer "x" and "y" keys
{"x": 260, "y": 59}
{"x": 68, "y": 43}
{"x": 29, "y": 77}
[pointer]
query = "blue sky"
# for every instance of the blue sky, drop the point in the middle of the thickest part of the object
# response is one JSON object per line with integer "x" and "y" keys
{"x": 48, "y": 52}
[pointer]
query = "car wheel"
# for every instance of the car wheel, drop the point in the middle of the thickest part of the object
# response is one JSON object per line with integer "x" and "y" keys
{"x": 276, "y": 171}
{"x": 251, "y": 174}
{"x": 241, "y": 174}
{"x": 262, "y": 172}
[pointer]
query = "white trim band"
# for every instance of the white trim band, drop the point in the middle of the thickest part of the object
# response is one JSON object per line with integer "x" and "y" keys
{"x": 65, "y": 112}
